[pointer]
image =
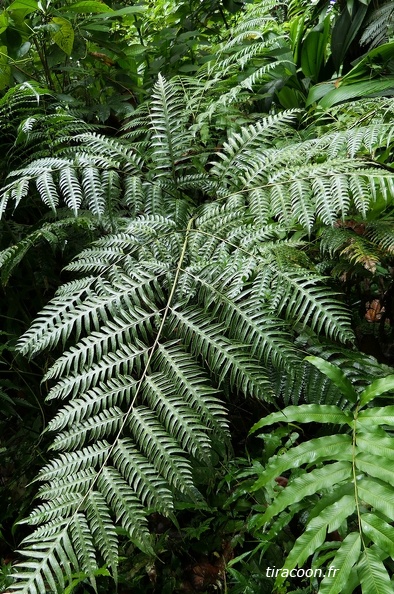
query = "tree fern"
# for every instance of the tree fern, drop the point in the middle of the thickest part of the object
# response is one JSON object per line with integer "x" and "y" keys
{"x": 200, "y": 287}
{"x": 132, "y": 374}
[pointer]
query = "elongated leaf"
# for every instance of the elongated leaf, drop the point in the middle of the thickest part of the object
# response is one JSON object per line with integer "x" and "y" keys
{"x": 333, "y": 447}
{"x": 356, "y": 90}
{"x": 344, "y": 31}
{"x": 376, "y": 466}
{"x": 308, "y": 484}
{"x": 383, "y": 415}
{"x": 86, "y": 6}
{"x": 305, "y": 413}
{"x": 316, "y": 530}
{"x": 379, "y": 531}
{"x": 346, "y": 557}
{"x": 373, "y": 574}
{"x": 378, "y": 387}
{"x": 377, "y": 495}
{"x": 377, "y": 442}
{"x": 336, "y": 375}
{"x": 123, "y": 11}
{"x": 313, "y": 50}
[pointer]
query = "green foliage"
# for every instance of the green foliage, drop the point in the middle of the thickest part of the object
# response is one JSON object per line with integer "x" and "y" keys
{"x": 183, "y": 264}
{"x": 357, "y": 462}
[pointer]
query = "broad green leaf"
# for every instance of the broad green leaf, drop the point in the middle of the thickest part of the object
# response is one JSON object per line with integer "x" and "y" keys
{"x": 123, "y": 11}
{"x": 373, "y": 574}
{"x": 377, "y": 495}
{"x": 344, "y": 31}
{"x": 305, "y": 413}
{"x": 362, "y": 70}
{"x": 296, "y": 32}
{"x": 379, "y": 531}
{"x": 314, "y": 49}
{"x": 376, "y": 442}
{"x": 308, "y": 484}
{"x": 336, "y": 375}
{"x": 376, "y": 466}
{"x": 318, "y": 91}
{"x": 64, "y": 36}
{"x": 333, "y": 447}
{"x": 4, "y": 20}
{"x": 378, "y": 387}
{"x": 335, "y": 494}
{"x": 352, "y": 582}
{"x": 315, "y": 533}
{"x": 346, "y": 557}
{"x": 383, "y": 415}
{"x": 24, "y": 7}
{"x": 312, "y": 54}
{"x": 356, "y": 90}
{"x": 87, "y": 6}
{"x": 255, "y": 523}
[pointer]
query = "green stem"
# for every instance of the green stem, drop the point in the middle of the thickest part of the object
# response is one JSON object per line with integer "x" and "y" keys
{"x": 354, "y": 470}
{"x": 47, "y": 72}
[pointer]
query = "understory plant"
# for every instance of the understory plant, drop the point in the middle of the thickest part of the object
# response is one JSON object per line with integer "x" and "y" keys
{"x": 202, "y": 286}
{"x": 339, "y": 484}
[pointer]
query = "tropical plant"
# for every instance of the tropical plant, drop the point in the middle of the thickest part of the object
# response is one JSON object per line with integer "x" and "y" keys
{"x": 201, "y": 286}
{"x": 184, "y": 264}
{"x": 340, "y": 482}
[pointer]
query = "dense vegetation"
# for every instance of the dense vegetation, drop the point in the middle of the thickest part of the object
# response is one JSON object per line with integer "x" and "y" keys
{"x": 196, "y": 265}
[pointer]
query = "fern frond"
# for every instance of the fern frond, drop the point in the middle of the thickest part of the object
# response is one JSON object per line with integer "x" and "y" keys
{"x": 92, "y": 188}
{"x": 382, "y": 234}
{"x": 162, "y": 450}
{"x": 47, "y": 189}
{"x": 300, "y": 297}
{"x": 116, "y": 150}
{"x": 378, "y": 25}
{"x": 124, "y": 361}
{"x": 360, "y": 476}
{"x": 124, "y": 329}
{"x": 114, "y": 392}
{"x": 240, "y": 147}
{"x": 170, "y": 139}
{"x": 81, "y": 481}
{"x": 179, "y": 304}
{"x": 177, "y": 417}
{"x": 51, "y": 558}
{"x": 84, "y": 309}
{"x": 69, "y": 463}
{"x": 192, "y": 384}
{"x": 105, "y": 423}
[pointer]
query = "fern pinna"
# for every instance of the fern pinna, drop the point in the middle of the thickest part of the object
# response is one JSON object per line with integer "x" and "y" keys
{"x": 199, "y": 288}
